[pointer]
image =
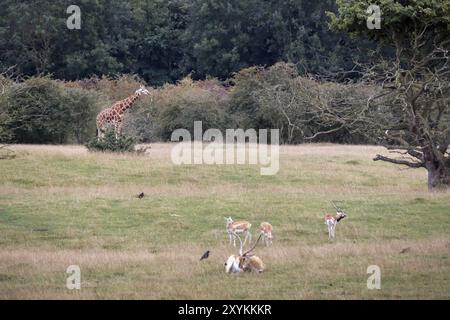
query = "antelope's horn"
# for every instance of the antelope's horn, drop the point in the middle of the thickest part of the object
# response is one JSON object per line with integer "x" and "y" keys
{"x": 240, "y": 240}
{"x": 334, "y": 205}
{"x": 254, "y": 246}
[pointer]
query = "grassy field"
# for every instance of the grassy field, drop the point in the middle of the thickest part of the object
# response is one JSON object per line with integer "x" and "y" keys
{"x": 61, "y": 206}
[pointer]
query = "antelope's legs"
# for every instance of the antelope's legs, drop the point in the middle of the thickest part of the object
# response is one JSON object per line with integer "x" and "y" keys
{"x": 330, "y": 226}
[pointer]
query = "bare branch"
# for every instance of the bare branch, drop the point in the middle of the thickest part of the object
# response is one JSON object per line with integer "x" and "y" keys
{"x": 325, "y": 132}
{"x": 399, "y": 161}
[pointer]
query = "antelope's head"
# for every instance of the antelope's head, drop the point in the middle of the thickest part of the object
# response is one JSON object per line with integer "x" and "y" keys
{"x": 340, "y": 215}
{"x": 229, "y": 221}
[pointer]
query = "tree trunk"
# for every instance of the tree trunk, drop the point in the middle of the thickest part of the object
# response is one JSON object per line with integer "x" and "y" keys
{"x": 438, "y": 176}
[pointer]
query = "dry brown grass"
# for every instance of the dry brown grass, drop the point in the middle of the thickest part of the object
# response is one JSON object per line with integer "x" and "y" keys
{"x": 321, "y": 262}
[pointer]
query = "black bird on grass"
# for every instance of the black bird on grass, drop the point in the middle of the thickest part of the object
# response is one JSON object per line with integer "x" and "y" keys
{"x": 405, "y": 250}
{"x": 140, "y": 195}
{"x": 205, "y": 255}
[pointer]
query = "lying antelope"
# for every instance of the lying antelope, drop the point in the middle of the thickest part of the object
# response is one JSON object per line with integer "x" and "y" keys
{"x": 331, "y": 221}
{"x": 245, "y": 261}
{"x": 235, "y": 227}
{"x": 266, "y": 231}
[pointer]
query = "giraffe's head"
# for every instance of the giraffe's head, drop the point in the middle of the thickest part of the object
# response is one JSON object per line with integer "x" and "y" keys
{"x": 141, "y": 91}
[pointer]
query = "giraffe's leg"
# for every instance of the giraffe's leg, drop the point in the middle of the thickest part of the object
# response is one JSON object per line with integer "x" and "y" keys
{"x": 120, "y": 124}
{"x": 100, "y": 133}
{"x": 117, "y": 129}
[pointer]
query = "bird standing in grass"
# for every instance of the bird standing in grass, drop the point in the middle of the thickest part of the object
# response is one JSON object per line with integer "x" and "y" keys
{"x": 140, "y": 195}
{"x": 205, "y": 255}
{"x": 405, "y": 250}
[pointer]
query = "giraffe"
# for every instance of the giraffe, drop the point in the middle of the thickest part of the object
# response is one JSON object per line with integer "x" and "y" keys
{"x": 114, "y": 114}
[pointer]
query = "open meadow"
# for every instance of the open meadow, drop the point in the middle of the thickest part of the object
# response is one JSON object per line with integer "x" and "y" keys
{"x": 62, "y": 206}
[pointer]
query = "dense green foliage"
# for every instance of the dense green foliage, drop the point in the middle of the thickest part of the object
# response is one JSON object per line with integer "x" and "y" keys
{"x": 41, "y": 110}
{"x": 400, "y": 20}
{"x": 163, "y": 41}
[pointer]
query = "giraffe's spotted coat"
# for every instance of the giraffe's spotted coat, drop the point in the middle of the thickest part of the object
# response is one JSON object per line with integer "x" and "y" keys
{"x": 114, "y": 114}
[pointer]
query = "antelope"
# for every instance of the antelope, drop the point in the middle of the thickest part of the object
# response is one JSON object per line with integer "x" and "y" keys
{"x": 266, "y": 231}
{"x": 245, "y": 261}
{"x": 235, "y": 227}
{"x": 331, "y": 221}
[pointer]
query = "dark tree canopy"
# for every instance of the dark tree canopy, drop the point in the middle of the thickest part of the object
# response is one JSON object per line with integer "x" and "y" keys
{"x": 162, "y": 41}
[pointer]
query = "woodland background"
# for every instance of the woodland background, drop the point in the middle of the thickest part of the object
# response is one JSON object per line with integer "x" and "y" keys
{"x": 56, "y": 80}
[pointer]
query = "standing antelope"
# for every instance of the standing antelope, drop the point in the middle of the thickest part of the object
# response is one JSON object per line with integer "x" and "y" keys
{"x": 266, "y": 231}
{"x": 235, "y": 227}
{"x": 331, "y": 221}
{"x": 245, "y": 261}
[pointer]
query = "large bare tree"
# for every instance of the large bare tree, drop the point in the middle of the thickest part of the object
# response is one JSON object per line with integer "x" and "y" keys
{"x": 410, "y": 114}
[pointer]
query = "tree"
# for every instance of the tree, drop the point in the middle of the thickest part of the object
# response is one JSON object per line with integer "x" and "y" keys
{"x": 159, "y": 47}
{"x": 411, "y": 115}
{"x": 225, "y": 36}
{"x": 302, "y": 107}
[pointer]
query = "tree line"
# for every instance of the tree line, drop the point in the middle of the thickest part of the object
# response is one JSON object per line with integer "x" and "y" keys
{"x": 165, "y": 40}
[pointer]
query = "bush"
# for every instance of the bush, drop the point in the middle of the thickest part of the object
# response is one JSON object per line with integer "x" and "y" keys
{"x": 278, "y": 97}
{"x": 82, "y": 106}
{"x": 258, "y": 93}
{"x": 41, "y": 110}
{"x": 177, "y": 107}
{"x": 109, "y": 143}
{"x": 36, "y": 114}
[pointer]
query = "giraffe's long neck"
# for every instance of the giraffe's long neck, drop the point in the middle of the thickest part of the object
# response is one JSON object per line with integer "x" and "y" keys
{"x": 126, "y": 103}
